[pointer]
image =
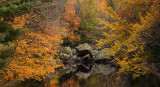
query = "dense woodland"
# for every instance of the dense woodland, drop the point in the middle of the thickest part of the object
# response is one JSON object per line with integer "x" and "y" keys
{"x": 32, "y": 31}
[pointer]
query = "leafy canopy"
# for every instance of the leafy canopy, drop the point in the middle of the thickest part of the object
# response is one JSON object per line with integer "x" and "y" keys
{"x": 127, "y": 39}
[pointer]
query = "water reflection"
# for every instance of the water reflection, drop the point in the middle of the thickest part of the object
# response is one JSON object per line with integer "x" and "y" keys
{"x": 99, "y": 75}
{"x": 95, "y": 75}
{"x": 91, "y": 75}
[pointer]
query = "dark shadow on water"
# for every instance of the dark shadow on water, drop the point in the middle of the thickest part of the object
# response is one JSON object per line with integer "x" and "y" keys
{"x": 98, "y": 75}
{"x": 148, "y": 80}
{"x": 92, "y": 75}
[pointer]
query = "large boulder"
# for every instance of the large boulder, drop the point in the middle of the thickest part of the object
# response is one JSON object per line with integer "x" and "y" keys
{"x": 84, "y": 46}
{"x": 84, "y": 49}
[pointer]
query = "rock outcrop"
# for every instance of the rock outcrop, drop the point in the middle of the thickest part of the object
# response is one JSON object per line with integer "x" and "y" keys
{"x": 85, "y": 53}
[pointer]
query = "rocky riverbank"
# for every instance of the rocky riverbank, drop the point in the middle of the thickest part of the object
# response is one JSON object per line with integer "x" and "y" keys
{"x": 85, "y": 53}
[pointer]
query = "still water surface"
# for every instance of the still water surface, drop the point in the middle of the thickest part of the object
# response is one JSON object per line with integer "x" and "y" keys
{"x": 95, "y": 75}
{"x": 98, "y": 75}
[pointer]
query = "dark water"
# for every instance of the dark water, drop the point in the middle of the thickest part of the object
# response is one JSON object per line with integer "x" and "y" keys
{"x": 98, "y": 75}
{"x": 91, "y": 75}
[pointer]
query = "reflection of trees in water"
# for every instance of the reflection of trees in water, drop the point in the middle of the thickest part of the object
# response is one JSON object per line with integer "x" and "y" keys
{"x": 116, "y": 80}
{"x": 71, "y": 82}
{"x": 101, "y": 80}
{"x": 76, "y": 78}
{"x": 98, "y": 75}
{"x": 94, "y": 79}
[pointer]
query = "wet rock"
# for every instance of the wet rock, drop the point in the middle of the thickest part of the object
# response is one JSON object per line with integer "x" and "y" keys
{"x": 70, "y": 68}
{"x": 94, "y": 47}
{"x": 84, "y": 49}
{"x": 95, "y": 54}
{"x": 74, "y": 57}
{"x": 84, "y": 46}
{"x": 64, "y": 56}
{"x": 83, "y": 53}
{"x": 74, "y": 52}
{"x": 66, "y": 50}
{"x": 100, "y": 54}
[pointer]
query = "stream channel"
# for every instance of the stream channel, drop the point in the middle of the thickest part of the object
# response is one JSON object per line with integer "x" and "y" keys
{"x": 98, "y": 75}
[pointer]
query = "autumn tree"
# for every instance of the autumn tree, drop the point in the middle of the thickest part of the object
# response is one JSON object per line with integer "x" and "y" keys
{"x": 10, "y": 31}
{"x": 131, "y": 9}
{"x": 11, "y": 20}
{"x": 128, "y": 39}
{"x": 33, "y": 58}
{"x": 35, "y": 51}
{"x": 71, "y": 20}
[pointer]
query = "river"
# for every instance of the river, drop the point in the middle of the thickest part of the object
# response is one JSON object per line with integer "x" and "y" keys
{"x": 98, "y": 75}
{"x": 90, "y": 75}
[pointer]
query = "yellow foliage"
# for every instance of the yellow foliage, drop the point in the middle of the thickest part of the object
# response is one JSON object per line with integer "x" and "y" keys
{"x": 20, "y": 21}
{"x": 24, "y": 19}
{"x": 34, "y": 57}
{"x": 127, "y": 41}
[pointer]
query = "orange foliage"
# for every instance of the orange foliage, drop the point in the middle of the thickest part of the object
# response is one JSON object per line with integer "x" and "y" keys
{"x": 25, "y": 19}
{"x": 132, "y": 8}
{"x": 103, "y": 1}
{"x": 53, "y": 85}
{"x": 20, "y": 21}
{"x": 35, "y": 51}
{"x": 34, "y": 57}
{"x": 71, "y": 20}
